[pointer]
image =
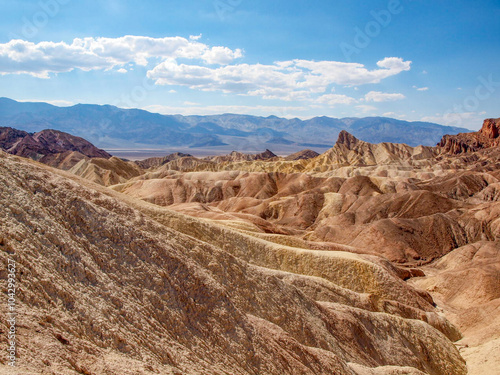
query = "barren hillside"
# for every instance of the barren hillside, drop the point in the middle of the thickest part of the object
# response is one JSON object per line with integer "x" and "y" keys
{"x": 111, "y": 285}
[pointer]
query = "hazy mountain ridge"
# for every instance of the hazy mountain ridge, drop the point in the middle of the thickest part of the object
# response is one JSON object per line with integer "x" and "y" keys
{"x": 109, "y": 126}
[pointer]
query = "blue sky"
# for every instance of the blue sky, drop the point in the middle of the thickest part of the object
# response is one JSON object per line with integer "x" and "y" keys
{"x": 415, "y": 60}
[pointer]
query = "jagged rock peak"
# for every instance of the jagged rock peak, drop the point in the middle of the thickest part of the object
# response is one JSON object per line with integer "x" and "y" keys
{"x": 268, "y": 154}
{"x": 491, "y": 128}
{"x": 347, "y": 139}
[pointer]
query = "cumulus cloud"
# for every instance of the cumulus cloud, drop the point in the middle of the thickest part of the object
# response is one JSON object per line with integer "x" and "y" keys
{"x": 286, "y": 80}
{"x": 221, "y": 55}
{"x": 420, "y": 88}
{"x": 178, "y": 61}
{"x": 40, "y": 59}
{"x": 377, "y": 96}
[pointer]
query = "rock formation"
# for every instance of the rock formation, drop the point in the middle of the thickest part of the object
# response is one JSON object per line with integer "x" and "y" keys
{"x": 488, "y": 136}
{"x": 236, "y": 156}
{"x": 51, "y": 147}
{"x": 304, "y": 154}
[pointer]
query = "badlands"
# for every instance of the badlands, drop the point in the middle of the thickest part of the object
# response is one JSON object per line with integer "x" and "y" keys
{"x": 368, "y": 259}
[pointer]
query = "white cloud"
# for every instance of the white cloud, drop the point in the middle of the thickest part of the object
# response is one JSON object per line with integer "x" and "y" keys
{"x": 221, "y": 55}
{"x": 420, "y": 88}
{"x": 393, "y": 115}
{"x": 377, "y": 96}
{"x": 195, "y": 37}
{"x": 177, "y": 61}
{"x": 394, "y": 63}
{"x": 285, "y": 80}
{"x": 40, "y": 59}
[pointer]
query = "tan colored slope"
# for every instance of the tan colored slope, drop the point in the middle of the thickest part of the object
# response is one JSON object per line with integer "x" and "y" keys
{"x": 350, "y": 151}
{"x": 466, "y": 283}
{"x": 112, "y": 285}
{"x": 404, "y": 220}
{"x": 106, "y": 171}
{"x": 65, "y": 160}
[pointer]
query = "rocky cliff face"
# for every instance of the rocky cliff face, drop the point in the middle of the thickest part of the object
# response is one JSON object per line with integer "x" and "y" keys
{"x": 461, "y": 143}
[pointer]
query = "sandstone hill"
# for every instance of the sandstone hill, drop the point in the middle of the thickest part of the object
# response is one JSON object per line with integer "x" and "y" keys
{"x": 112, "y": 285}
{"x": 156, "y": 162}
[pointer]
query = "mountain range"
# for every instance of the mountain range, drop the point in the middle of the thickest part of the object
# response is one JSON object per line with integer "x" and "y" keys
{"x": 110, "y": 127}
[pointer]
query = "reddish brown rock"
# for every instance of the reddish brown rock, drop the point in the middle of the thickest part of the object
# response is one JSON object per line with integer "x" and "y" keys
{"x": 45, "y": 146}
{"x": 470, "y": 142}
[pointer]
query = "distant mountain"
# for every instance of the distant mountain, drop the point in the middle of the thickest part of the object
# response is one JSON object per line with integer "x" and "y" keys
{"x": 111, "y": 127}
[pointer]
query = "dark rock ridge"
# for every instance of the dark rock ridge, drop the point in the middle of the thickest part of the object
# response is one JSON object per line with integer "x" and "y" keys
{"x": 461, "y": 143}
{"x": 46, "y": 142}
{"x": 236, "y": 156}
{"x": 304, "y": 154}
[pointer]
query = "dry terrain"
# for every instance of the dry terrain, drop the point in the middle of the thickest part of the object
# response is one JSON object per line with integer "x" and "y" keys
{"x": 366, "y": 259}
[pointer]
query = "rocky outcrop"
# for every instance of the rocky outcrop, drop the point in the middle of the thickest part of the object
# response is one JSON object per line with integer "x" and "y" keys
{"x": 348, "y": 150}
{"x": 304, "y": 154}
{"x": 461, "y": 143}
{"x": 46, "y": 144}
{"x": 236, "y": 156}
